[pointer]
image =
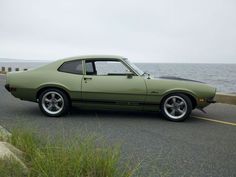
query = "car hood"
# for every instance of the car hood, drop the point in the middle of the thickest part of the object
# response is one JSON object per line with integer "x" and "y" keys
{"x": 165, "y": 84}
{"x": 179, "y": 79}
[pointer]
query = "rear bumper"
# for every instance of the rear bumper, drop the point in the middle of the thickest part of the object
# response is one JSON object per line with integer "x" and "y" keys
{"x": 7, "y": 87}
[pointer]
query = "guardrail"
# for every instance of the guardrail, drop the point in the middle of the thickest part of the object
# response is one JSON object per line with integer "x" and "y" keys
{"x": 4, "y": 70}
{"x": 226, "y": 98}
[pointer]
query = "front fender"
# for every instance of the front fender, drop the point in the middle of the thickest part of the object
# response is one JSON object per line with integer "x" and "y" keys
{"x": 179, "y": 90}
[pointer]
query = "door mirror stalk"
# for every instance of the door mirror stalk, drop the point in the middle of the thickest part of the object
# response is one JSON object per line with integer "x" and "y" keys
{"x": 129, "y": 75}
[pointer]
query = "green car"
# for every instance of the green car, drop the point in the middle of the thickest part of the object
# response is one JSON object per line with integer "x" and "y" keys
{"x": 107, "y": 82}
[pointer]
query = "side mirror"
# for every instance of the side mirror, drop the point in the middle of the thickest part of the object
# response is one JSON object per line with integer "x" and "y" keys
{"x": 129, "y": 75}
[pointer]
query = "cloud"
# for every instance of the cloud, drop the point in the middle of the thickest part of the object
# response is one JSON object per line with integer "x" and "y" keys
{"x": 154, "y": 31}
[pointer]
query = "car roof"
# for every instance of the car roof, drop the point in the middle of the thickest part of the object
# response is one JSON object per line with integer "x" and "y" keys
{"x": 92, "y": 57}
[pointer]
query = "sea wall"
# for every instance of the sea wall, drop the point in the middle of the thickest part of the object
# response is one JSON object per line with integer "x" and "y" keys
{"x": 226, "y": 98}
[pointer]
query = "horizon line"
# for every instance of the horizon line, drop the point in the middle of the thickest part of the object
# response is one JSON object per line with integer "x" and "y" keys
{"x": 46, "y": 60}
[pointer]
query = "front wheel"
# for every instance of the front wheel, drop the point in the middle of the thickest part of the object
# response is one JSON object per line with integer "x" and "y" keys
{"x": 53, "y": 102}
{"x": 176, "y": 107}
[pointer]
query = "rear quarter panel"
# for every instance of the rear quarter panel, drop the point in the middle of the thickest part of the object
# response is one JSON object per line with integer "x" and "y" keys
{"x": 28, "y": 83}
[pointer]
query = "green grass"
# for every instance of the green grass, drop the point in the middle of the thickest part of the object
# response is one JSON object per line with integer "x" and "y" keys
{"x": 81, "y": 158}
{"x": 11, "y": 168}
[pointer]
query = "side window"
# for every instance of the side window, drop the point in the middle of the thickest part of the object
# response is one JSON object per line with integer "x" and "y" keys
{"x": 111, "y": 68}
{"x": 74, "y": 67}
{"x": 90, "y": 69}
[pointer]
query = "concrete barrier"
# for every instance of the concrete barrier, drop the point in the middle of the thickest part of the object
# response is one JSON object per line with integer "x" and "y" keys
{"x": 4, "y": 70}
{"x": 9, "y": 69}
{"x": 226, "y": 98}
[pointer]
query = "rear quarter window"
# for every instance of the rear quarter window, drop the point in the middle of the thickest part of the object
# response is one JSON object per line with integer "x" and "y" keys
{"x": 73, "y": 67}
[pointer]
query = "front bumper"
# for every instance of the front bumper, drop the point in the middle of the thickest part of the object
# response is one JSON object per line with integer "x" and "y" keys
{"x": 210, "y": 100}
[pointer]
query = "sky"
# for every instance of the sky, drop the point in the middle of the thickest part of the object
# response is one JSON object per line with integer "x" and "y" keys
{"x": 192, "y": 31}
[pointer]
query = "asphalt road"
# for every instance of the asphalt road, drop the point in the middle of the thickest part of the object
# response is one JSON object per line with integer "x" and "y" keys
{"x": 195, "y": 147}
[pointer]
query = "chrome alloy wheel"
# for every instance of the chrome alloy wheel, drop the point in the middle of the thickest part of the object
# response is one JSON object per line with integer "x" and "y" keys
{"x": 175, "y": 107}
{"x": 52, "y": 102}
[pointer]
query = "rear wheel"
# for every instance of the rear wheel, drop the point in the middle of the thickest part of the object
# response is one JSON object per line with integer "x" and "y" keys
{"x": 176, "y": 107}
{"x": 53, "y": 102}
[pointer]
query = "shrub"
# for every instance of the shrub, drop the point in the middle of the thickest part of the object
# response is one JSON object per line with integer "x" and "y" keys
{"x": 81, "y": 158}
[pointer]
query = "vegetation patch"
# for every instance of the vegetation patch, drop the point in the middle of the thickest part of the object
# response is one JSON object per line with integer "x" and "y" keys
{"x": 83, "y": 157}
{"x": 9, "y": 167}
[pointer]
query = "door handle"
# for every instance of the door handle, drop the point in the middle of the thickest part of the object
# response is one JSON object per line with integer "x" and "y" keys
{"x": 87, "y": 78}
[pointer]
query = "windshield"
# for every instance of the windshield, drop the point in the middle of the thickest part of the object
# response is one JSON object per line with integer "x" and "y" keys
{"x": 134, "y": 67}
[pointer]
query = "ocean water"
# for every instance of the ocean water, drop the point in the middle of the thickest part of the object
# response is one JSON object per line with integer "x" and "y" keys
{"x": 221, "y": 76}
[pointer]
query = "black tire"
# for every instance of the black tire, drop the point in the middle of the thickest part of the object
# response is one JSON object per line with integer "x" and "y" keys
{"x": 64, "y": 104}
{"x": 183, "y": 107}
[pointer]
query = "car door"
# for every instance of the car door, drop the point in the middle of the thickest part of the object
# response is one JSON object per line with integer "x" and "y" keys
{"x": 70, "y": 75}
{"x": 111, "y": 81}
